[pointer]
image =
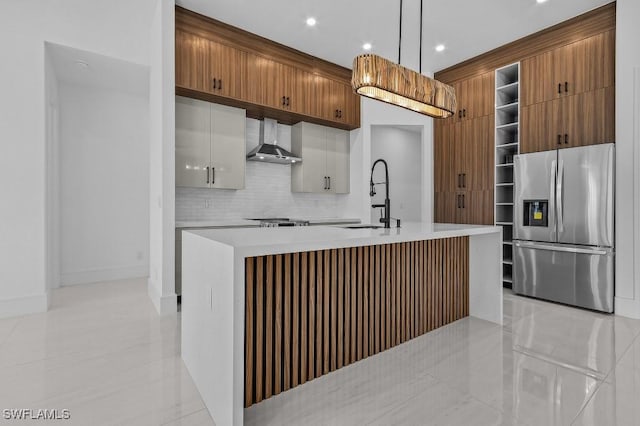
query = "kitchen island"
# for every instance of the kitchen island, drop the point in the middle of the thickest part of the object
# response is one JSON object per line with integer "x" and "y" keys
{"x": 265, "y": 310}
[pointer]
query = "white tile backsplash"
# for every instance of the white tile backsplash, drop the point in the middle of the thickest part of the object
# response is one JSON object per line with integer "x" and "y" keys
{"x": 267, "y": 192}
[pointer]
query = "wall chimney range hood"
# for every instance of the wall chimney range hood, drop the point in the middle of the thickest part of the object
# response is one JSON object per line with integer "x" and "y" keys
{"x": 268, "y": 150}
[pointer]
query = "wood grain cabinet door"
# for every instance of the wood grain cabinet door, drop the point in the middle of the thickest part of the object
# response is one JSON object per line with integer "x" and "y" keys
{"x": 589, "y": 64}
{"x": 481, "y": 149}
{"x": 537, "y": 79}
{"x": 227, "y": 70}
{"x": 589, "y": 118}
{"x": 541, "y": 126}
{"x": 446, "y": 207}
{"x": 321, "y": 102}
{"x": 192, "y": 62}
{"x": 300, "y": 87}
{"x": 269, "y": 82}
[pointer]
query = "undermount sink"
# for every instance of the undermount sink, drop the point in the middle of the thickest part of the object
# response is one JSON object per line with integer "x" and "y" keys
{"x": 363, "y": 227}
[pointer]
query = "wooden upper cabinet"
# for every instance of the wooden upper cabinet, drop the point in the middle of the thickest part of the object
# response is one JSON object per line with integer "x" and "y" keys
{"x": 540, "y": 125}
{"x": 227, "y": 70}
{"x": 192, "y": 62}
{"x": 222, "y": 64}
{"x": 345, "y": 103}
{"x": 589, "y": 118}
{"x": 575, "y": 68}
{"x": 474, "y": 97}
{"x": 537, "y": 79}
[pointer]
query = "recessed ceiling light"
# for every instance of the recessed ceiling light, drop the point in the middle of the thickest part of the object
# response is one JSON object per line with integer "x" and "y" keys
{"x": 541, "y": 1}
{"x": 366, "y": 46}
{"x": 440, "y": 48}
{"x": 311, "y": 21}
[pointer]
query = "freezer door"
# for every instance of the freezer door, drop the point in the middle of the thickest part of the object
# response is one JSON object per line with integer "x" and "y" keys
{"x": 534, "y": 180}
{"x": 585, "y": 195}
{"x": 575, "y": 275}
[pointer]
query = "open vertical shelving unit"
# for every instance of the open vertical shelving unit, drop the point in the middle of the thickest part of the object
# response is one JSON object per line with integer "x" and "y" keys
{"x": 507, "y": 137}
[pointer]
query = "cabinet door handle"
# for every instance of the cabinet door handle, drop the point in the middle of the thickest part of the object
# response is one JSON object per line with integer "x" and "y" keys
{"x": 559, "y": 88}
{"x": 207, "y": 174}
{"x": 566, "y": 138}
{"x": 464, "y": 112}
{"x": 288, "y": 101}
{"x": 464, "y": 180}
{"x": 339, "y": 113}
{"x": 325, "y": 183}
{"x": 566, "y": 86}
{"x": 215, "y": 82}
{"x": 329, "y": 178}
{"x": 459, "y": 113}
{"x": 213, "y": 175}
{"x": 463, "y": 201}
{"x": 559, "y": 139}
{"x": 284, "y": 100}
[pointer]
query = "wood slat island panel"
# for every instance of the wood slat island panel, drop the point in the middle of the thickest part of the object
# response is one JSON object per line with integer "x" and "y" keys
{"x": 310, "y": 313}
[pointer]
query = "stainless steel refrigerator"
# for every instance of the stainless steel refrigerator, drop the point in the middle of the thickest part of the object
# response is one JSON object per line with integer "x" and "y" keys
{"x": 563, "y": 244}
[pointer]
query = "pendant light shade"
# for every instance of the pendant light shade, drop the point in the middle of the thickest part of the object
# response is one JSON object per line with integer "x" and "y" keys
{"x": 378, "y": 78}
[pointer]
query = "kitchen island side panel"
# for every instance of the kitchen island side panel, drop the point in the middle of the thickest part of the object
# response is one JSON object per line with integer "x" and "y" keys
{"x": 403, "y": 290}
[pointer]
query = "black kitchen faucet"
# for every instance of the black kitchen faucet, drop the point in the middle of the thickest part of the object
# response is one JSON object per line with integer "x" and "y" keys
{"x": 386, "y": 217}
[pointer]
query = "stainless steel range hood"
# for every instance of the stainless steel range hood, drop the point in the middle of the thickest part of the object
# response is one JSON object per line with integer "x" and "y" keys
{"x": 268, "y": 150}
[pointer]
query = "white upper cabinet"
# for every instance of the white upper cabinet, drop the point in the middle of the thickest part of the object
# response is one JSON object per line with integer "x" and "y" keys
{"x": 210, "y": 145}
{"x": 325, "y": 159}
{"x": 193, "y": 143}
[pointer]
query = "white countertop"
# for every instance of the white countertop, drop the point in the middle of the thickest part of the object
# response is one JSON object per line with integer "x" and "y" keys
{"x": 263, "y": 241}
{"x": 231, "y": 223}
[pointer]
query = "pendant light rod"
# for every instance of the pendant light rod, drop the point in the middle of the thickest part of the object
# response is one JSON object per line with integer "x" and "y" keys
{"x": 400, "y": 34}
{"x": 420, "y": 66}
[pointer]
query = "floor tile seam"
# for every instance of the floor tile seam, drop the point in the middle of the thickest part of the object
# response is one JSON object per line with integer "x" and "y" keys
{"x": 185, "y": 416}
{"x": 603, "y": 381}
{"x": 6, "y": 339}
{"x": 401, "y": 403}
{"x": 102, "y": 393}
{"x": 594, "y": 374}
{"x": 90, "y": 358}
{"x": 142, "y": 365}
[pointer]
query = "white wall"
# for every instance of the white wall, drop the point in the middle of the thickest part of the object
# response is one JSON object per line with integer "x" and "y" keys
{"x": 118, "y": 28}
{"x": 104, "y": 184}
{"x": 402, "y": 150}
{"x": 267, "y": 192}
{"x": 161, "y": 286}
{"x": 627, "y": 301}
{"x": 376, "y": 113}
{"x": 52, "y": 165}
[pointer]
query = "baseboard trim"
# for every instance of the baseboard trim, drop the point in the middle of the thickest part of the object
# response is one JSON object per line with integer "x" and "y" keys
{"x": 100, "y": 275}
{"x": 626, "y": 307}
{"x": 24, "y": 305}
{"x": 165, "y": 305}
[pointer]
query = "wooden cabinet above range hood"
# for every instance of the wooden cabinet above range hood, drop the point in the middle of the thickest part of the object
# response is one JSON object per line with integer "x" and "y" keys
{"x": 223, "y": 64}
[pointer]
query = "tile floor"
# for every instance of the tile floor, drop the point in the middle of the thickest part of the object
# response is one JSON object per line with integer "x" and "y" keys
{"x": 104, "y": 354}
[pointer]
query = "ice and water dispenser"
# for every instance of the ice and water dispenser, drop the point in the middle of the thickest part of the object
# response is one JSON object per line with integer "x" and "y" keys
{"x": 536, "y": 213}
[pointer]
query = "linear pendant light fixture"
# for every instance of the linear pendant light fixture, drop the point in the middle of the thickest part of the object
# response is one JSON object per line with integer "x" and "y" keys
{"x": 379, "y": 78}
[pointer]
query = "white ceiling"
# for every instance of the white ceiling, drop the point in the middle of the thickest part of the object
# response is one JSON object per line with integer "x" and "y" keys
{"x": 100, "y": 71}
{"x": 466, "y": 27}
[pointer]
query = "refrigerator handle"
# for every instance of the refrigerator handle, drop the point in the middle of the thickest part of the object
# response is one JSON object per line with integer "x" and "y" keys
{"x": 559, "y": 196}
{"x": 552, "y": 185}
